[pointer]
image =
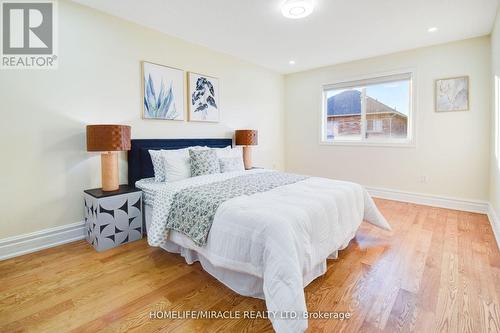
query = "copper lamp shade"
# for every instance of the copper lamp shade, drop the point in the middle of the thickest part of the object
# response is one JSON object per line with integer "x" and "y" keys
{"x": 108, "y": 139}
{"x": 246, "y": 138}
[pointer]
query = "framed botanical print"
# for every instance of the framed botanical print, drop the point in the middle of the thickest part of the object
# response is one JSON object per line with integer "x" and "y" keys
{"x": 452, "y": 94}
{"x": 203, "y": 98}
{"x": 162, "y": 92}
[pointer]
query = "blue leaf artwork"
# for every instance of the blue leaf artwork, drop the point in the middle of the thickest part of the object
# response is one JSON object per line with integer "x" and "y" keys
{"x": 203, "y": 92}
{"x": 162, "y": 86}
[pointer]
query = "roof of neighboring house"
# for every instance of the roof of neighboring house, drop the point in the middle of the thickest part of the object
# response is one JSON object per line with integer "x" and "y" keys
{"x": 349, "y": 103}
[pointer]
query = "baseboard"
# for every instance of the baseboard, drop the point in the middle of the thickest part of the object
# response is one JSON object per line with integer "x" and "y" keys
{"x": 39, "y": 240}
{"x": 495, "y": 223}
{"x": 430, "y": 200}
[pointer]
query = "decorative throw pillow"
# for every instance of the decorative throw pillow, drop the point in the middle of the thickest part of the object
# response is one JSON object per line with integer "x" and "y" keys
{"x": 230, "y": 164}
{"x": 158, "y": 167}
{"x": 203, "y": 162}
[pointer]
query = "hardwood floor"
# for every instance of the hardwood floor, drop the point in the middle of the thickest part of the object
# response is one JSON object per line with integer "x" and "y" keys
{"x": 438, "y": 270}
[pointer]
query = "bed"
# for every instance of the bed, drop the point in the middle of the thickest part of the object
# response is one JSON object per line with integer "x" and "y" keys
{"x": 269, "y": 244}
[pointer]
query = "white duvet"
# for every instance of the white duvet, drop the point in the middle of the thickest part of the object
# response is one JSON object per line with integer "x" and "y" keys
{"x": 280, "y": 236}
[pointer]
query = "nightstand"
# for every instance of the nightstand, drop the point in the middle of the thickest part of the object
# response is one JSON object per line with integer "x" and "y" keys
{"x": 113, "y": 218}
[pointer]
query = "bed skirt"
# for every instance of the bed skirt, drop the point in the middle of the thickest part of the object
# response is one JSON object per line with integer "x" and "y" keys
{"x": 242, "y": 283}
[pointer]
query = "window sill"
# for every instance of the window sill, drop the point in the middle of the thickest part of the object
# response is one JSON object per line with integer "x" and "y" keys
{"x": 396, "y": 144}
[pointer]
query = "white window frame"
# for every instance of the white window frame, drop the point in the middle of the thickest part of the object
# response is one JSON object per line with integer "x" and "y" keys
{"x": 410, "y": 141}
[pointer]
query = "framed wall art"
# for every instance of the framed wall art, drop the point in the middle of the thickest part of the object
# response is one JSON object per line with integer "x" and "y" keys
{"x": 203, "y": 98}
{"x": 452, "y": 94}
{"x": 163, "y": 92}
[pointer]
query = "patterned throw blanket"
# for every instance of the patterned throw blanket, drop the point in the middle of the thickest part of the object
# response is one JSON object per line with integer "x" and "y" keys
{"x": 193, "y": 209}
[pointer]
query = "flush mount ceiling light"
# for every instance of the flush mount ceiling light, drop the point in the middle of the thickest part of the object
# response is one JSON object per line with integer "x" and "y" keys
{"x": 292, "y": 62}
{"x": 432, "y": 29}
{"x": 296, "y": 9}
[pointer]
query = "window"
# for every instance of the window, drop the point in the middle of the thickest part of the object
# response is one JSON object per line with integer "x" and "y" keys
{"x": 376, "y": 110}
{"x": 374, "y": 126}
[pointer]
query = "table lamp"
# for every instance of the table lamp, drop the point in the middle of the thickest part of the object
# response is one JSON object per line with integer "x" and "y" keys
{"x": 108, "y": 139}
{"x": 246, "y": 138}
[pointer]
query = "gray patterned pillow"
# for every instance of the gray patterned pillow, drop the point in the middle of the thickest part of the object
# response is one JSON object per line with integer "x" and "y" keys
{"x": 203, "y": 162}
{"x": 158, "y": 167}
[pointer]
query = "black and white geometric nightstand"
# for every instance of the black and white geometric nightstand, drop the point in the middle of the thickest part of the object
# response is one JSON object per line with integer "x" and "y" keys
{"x": 113, "y": 218}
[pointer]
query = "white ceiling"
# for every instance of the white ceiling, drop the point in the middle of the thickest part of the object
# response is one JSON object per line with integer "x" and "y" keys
{"x": 337, "y": 31}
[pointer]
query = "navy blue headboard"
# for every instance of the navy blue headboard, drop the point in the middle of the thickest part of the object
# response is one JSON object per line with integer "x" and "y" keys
{"x": 139, "y": 161}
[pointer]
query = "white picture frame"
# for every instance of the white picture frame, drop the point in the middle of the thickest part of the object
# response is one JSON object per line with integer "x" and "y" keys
{"x": 163, "y": 92}
{"x": 203, "y": 98}
{"x": 451, "y": 94}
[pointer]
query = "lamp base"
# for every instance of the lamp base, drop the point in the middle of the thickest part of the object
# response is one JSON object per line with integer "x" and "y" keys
{"x": 247, "y": 157}
{"x": 109, "y": 171}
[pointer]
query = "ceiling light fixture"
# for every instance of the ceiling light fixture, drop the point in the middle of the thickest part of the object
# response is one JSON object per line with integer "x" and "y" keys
{"x": 432, "y": 29}
{"x": 296, "y": 9}
{"x": 292, "y": 62}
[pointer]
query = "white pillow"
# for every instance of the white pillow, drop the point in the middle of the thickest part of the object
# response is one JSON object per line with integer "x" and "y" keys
{"x": 230, "y": 152}
{"x": 222, "y": 151}
{"x": 231, "y": 164}
{"x": 176, "y": 163}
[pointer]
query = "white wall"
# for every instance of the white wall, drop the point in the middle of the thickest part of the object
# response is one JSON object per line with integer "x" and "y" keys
{"x": 452, "y": 149}
{"x": 44, "y": 165}
{"x": 495, "y": 121}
